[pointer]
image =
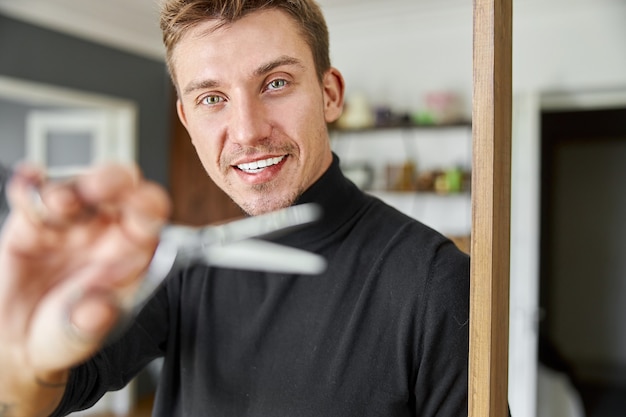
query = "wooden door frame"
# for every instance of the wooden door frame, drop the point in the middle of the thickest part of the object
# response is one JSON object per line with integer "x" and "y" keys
{"x": 491, "y": 207}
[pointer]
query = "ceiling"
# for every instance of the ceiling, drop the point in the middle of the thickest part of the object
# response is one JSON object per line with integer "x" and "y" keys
{"x": 128, "y": 24}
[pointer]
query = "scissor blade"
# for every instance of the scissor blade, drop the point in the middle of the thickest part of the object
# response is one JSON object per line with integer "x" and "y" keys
{"x": 264, "y": 224}
{"x": 259, "y": 255}
{"x": 228, "y": 246}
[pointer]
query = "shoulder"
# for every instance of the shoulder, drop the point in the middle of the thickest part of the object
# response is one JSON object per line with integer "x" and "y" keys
{"x": 414, "y": 256}
{"x": 404, "y": 235}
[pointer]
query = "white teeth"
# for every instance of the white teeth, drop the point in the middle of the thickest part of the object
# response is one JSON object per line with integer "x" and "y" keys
{"x": 257, "y": 166}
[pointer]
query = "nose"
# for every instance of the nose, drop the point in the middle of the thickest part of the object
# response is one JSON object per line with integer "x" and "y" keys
{"x": 248, "y": 122}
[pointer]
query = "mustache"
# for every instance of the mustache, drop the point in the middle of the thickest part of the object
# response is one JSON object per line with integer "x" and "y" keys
{"x": 256, "y": 150}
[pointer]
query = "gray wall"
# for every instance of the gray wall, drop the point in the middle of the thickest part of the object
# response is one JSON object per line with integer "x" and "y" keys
{"x": 35, "y": 54}
{"x": 12, "y": 132}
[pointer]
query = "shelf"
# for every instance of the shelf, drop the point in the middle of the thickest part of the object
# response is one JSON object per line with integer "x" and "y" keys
{"x": 418, "y": 194}
{"x": 379, "y": 151}
{"x": 404, "y": 125}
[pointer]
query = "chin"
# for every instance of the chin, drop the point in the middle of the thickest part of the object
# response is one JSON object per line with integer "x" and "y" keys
{"x": 266, "y": 203}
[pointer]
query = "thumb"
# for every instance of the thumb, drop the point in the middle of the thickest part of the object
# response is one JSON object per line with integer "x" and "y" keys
{"x": 91, "y": 316}
{"x": 61, "y": 341}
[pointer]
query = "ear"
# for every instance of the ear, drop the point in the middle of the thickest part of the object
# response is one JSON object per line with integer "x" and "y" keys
{"x": 333, "y": 88}
{"x": 181, "y": 113}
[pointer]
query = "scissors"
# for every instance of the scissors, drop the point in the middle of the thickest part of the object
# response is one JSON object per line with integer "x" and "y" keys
{"x": 233, "y": 245}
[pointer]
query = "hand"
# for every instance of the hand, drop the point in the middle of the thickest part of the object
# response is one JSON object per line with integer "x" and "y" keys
{"x": 69, "y": 261}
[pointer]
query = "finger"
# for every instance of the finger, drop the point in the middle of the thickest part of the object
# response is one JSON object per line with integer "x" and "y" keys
{"x": 107, "y": 183}
{"x": 45, "y": 202}
{"x": 145, "y": 213}
{"x": 91, "y": 316}
{"x": 57, "y": 205}
{"x": 72, "y": 328}
{"x": 28, "y": 172}
{"x": 25, "y": 180}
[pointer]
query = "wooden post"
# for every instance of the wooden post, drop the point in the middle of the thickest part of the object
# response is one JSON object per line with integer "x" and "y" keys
{"x": 491, "y": 195}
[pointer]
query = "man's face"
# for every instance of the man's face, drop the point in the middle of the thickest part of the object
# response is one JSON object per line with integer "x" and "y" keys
{"x": 255, "y": 109}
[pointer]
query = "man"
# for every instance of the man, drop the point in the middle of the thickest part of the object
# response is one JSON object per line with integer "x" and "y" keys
{"x": 383, "y": 332}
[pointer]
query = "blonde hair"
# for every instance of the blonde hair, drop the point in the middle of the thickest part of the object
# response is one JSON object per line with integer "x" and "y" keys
{"x": 179, "y": 16}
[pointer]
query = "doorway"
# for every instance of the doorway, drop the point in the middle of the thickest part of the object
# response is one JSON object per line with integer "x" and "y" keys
{"x": 583, "y": 253}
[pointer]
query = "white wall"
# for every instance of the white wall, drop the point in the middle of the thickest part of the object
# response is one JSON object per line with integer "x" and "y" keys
{"x": 396, "y": 51}
{"x": 562, "y": 45}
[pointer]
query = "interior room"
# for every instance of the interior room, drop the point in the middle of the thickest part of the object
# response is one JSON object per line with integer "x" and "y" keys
{"x": 405, "y": 136}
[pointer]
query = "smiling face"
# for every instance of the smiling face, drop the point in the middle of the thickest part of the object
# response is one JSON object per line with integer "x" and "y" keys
{"x": 255, "y": 109}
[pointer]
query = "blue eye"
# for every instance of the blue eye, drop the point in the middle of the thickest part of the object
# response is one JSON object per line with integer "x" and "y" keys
{"x": 277, "y": 84}
{"x": 211, "y": 100}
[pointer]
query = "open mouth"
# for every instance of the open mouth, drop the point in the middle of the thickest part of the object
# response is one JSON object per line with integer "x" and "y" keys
{"x": 260, "y": 165}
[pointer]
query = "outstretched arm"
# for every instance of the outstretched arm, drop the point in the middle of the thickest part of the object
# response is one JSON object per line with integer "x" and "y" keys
{"x": 67, "y": 264}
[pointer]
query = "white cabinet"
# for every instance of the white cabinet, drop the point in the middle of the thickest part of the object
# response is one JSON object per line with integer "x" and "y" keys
{"x": 429, "y": 149}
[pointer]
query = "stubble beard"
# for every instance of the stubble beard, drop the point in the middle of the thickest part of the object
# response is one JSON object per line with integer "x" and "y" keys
{"x": 265, "y": 201}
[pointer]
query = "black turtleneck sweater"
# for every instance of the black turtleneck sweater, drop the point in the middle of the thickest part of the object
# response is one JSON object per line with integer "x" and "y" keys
{"x": 382, "y": 332}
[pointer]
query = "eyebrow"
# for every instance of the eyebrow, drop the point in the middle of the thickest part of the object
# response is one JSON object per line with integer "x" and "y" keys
{"x": 279, "y": 62}
{"x": 200, "y": 85}
{"x": 260, "y": 71}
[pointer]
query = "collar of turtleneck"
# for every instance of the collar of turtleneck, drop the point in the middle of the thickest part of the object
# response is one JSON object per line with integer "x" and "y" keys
{"x": 339, "y": 200}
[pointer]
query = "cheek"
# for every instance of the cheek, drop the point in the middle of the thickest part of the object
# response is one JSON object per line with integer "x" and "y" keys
{"x": 206, "y": 149}
{"x": 303, "y": 118}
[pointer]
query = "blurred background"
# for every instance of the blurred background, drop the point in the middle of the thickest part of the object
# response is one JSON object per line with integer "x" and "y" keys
{"x": 83, "y": 81}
